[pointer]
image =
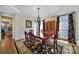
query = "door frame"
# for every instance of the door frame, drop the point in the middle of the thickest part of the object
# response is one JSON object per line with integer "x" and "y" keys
{"x": 13, "y": 21}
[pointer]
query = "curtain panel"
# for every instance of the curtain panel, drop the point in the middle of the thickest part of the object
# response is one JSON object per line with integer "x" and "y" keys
{"x": 71, "y": 34}
{"x": 57, "y": 27}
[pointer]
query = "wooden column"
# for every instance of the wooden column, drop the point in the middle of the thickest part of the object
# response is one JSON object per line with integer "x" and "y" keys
{"x": 43, "y": 27}
{"x": 38, "y": 28}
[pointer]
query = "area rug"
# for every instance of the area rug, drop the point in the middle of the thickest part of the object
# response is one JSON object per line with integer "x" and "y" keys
{"x": 22, "y": 48}
{"x": 67, "y": 48}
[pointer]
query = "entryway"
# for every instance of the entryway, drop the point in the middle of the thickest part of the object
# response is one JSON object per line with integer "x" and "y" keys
{"x": 6, "y": 27}
{"x": 7, "y": 43}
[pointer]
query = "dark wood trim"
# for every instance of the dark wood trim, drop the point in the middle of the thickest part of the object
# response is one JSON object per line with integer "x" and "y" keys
{"x": 73, "y": 49}
{"x": 43, "y": 27}
{"x": 16, "y": 47}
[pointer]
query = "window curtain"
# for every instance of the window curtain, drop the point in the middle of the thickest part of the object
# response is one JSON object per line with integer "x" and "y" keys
{"x": 57, "y": 27}
{"x": 71, "y": 34}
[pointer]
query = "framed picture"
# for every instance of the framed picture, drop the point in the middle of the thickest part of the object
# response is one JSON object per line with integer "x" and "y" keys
{"x": 28, "y": 23}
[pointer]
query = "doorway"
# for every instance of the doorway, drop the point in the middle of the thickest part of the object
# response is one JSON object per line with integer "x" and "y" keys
{"x": 6, "y": 27}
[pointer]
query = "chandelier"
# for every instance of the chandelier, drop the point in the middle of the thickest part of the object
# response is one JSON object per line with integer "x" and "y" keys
{"x": 38, "y": 23}
{"x": 38, "y": 17}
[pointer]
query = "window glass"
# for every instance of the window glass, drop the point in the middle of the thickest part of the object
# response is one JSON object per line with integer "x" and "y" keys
{"x": 63, "y": 27}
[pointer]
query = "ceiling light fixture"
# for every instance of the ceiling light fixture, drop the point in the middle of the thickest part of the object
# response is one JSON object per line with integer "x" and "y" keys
{"x": 38, "y": 23}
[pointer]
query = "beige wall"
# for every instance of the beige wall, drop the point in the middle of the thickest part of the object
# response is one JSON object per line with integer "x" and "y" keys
{"x": 20, "y": 26}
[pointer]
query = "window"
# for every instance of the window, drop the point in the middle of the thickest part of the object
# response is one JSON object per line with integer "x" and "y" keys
{"x": 63, "y": 27}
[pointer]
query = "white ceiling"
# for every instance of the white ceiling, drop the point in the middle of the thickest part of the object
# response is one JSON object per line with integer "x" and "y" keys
{"x": 45, "y": 10}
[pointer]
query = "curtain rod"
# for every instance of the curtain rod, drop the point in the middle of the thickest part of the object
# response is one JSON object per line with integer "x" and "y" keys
{"x": 63, "y": 14}
{"x": 66, "y": 14}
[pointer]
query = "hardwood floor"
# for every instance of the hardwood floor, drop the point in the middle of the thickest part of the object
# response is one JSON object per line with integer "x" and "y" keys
{"x": 7, "y": 46}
